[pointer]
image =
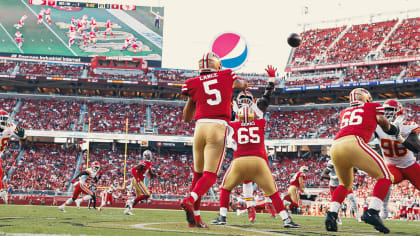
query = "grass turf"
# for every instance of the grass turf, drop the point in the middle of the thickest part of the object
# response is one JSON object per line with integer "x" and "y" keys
{"x": 112, "y": 221}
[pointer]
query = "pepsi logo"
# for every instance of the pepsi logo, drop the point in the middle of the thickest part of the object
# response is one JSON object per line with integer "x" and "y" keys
{"x": 232, "y": 50}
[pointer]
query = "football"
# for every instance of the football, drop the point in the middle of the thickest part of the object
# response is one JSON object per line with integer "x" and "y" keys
{"x": 294, "y": 40}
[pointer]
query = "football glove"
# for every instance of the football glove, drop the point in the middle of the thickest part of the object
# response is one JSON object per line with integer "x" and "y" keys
{"x": 20, "y": 132}
{"x": 271, "y": 71}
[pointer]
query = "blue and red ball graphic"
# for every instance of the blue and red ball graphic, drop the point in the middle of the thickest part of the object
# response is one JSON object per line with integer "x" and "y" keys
{"x": 232, "y": 50}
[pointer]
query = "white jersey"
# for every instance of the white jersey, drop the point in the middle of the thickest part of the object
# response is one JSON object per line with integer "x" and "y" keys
{"x": 111, "y": 189}
{"x": 5, "y": 137}
{"x": 393, "y": 151}
{"x": 333, "y": 175}
{"x": 259, "y": 114}
{"x": 87, "y": 178}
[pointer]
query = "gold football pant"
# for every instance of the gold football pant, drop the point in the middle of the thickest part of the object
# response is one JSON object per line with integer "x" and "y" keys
{"x": 140, "y": 188}
{"x": 351, "y": 151}
{"x": 209, "y": 146}
{"x": 250, "y": 168}
{"x": 293, "y": 193}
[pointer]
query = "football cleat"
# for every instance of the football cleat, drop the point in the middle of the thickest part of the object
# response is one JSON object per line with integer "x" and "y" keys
{"x": 220, "y": 220}
{"x": 371, "y": 216}
{"x": 77, "y": 201}
{"x": 61, "y": 208}
{"x": 188, "y": 207}
{"x": 288, "y": 223}
{"x": 128, "y": 212}
{"x": 331, "y": 221}
{"x": 251, "y": 214}
{"x": 200, "y": 223}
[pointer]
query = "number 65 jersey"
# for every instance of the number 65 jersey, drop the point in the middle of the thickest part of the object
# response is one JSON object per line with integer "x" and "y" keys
{"x": 212, "y": 94}
{"x": 360, "y": 120}
{"x": 394, "y": 152}
{"x": 249, "y": 138}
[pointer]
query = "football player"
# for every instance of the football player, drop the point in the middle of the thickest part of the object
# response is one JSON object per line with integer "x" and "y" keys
{"x": 72, "y": 35}
{"x": 330, "y": 174}
{"x": 209, "y": 96}
{"x": 139, "y": 173}
{"x": 245, "y": 98}
{"x": 21, "y": 23}
{"x": 19, "y": 39}
{"x": 297, "y": 186}
{"x": 398, "y": 151}
{"x": 41, "y": 16}
{"x": 350, "y": 149}
{"x": 250, "y": 162}
{"x": 129, "y": 42}
{"x": 93, "y": 25}
{"x": 7, "y": 130}
{"x": 108, "y": 195}
{"x": 48, "y": 16}
{"x": 86, "y": 176}
{"x": 108, "y": 28}
{"x": 92, "y": 38}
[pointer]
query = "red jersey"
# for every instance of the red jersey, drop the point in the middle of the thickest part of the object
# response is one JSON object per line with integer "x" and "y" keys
{"x": 140, "y": 174}
{"x": 211, "y": 94}
{"x": 359, "y": 120}
{"x": 108, "y": 24}
{"x": 295, "y": 179}
{"x": 249, "y": 138}
{"x": 92, "y": 34}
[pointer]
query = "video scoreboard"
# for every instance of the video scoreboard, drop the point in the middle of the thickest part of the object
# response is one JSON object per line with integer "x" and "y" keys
{"x": 81, "y": 4}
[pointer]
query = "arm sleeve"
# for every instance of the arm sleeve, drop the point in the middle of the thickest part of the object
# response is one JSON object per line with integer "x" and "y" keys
{"x": 412, "y": 142}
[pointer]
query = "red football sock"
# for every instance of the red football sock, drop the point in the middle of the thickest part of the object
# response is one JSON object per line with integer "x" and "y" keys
{"x": 293, "y": 205}
{"x": 277, "y": 202}
{"x": 139, "y": 198}
{"x": 340, "y": 194}
{"x": 247, "y": 181}
{"x": 224, "y": 198}
{"x": 204, "y": 183}
{"x": 196, "y": 177}
{"x": 381, "y": 188}
{"x": 287, "y": 198}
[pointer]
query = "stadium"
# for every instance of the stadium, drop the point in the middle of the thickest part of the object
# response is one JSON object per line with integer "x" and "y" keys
{"x": 97, "y": 84}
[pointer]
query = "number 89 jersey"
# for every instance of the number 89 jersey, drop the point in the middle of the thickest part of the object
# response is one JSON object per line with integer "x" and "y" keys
{"x": 249, "y": 138}
{"x": 211, "y": 94}
{"x": 359, "y": 120}
{"x": 394, "y": 152}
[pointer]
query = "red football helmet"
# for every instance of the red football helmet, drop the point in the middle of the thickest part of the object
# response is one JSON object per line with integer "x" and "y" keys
{"x": 4, "y": 119}
{"x": 393, "y": 109}
{"x": 96, "y": 165}
{"x": 359, "y": 96}
{"x": 246, "y": 114}
{"x": 244, "y": 98}
{"x": 209, "y": 63}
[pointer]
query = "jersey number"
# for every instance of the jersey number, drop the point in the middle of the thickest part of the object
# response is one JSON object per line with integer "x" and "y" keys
{"x": 3, "y": 144}
{"x": 351, "y": 118}
{"x": 248, "y": 135}
{"x": 218, "y": 99}
{"x": 391, "y": 148}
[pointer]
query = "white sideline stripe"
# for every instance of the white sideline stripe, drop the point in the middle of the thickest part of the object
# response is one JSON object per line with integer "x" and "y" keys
{"x": 144, "y": 226}
{"x": 137, "y": 26}
{"x": 11, "y": 38}
{"x": 52, "y": 31}
{"x": 256, "y": 231}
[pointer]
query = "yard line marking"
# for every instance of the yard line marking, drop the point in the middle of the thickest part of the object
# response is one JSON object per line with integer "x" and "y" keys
{"x": 52, "y": 31}
{"x": 11, "y": 38}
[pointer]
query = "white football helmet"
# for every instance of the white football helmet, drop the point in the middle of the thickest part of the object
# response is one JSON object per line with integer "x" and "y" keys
{"x": 393, "y": 109}
{"x": 303, "y": 169}
{"x": 245, "y": 99}
{"x": 209, "y": 63}
{"x": 147, "y": 155}
{"x": 359, "y": 96}
{"x": 96, "y": 166}
{"x": 4, "y": 119}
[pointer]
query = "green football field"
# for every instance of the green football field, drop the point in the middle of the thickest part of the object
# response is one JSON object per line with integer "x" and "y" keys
{"x": 53, "y": 39}
{"x": 111, "y": 221}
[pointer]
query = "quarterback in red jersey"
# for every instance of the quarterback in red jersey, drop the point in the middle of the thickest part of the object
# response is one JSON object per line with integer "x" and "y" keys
{"x": 399, "y": 152}
{"x": 250, "y": 163}
{"x": 350, "y": 149}
{"x": 209, "y": 96}
{"x": 139, "y": 173}
{"x": 108, "y": 29}
{"x": 19, "y": 39}
{"x": 297, "y": 186}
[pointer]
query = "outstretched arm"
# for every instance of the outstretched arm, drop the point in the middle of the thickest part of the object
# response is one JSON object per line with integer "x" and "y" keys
{"x": 412, "y": 142}
{"x": 189, "y": 110}
{"x": 264, "y": 101}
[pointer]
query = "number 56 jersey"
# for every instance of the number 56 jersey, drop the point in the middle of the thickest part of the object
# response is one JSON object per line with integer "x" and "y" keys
{"x": 211, "y": 94}
{"x": 394, "y": 152}
{"x": 359, "y": 120}
{"x": 249, "y": 138}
